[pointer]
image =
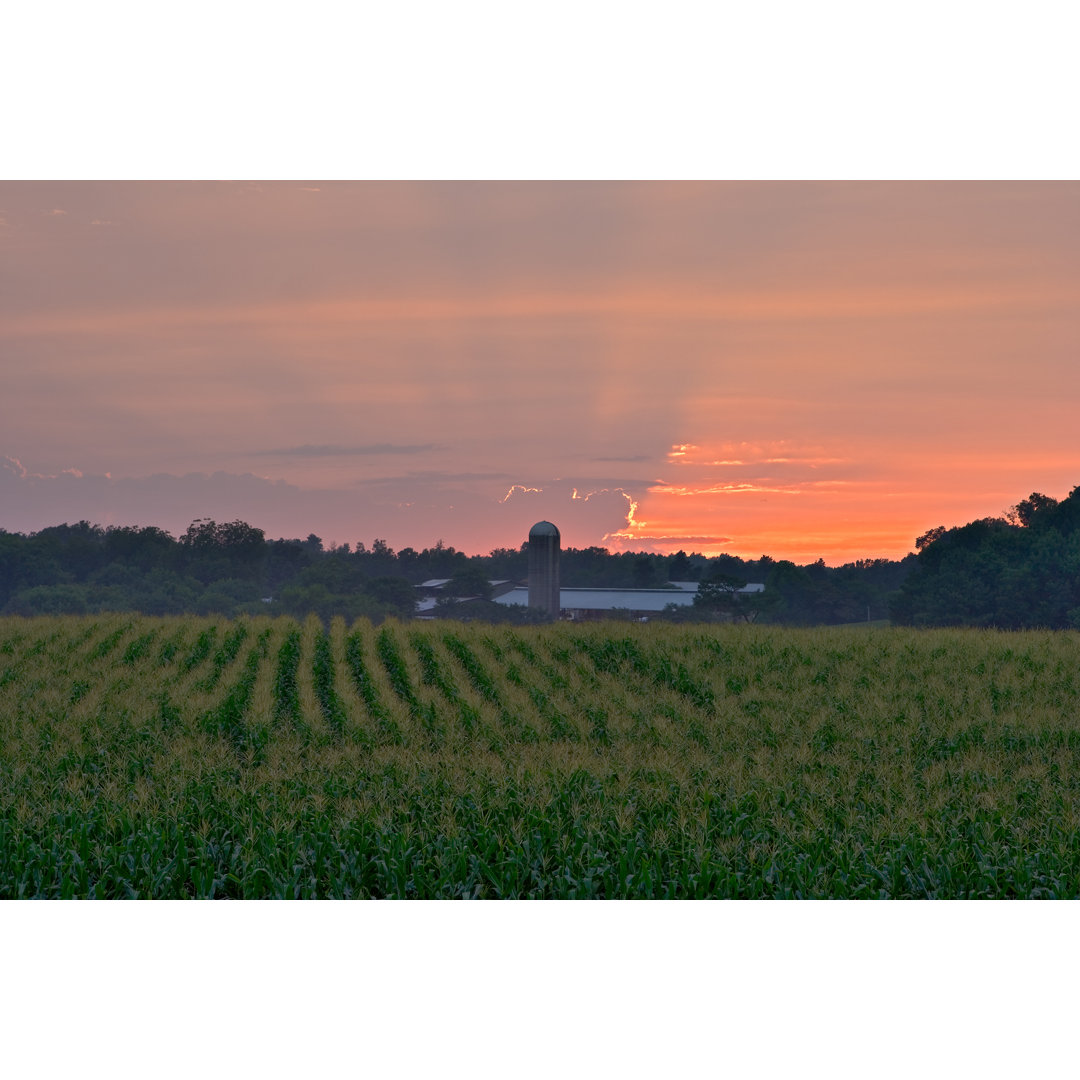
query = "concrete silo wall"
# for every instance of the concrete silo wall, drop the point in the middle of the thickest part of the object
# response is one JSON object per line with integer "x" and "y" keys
{"x": 544, "y": 567}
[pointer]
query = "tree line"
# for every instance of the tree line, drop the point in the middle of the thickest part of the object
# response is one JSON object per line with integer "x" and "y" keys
{"x": 1017, "y": 571}
{"x": 232, "y": 569}
{"x": 1021, "y": 569}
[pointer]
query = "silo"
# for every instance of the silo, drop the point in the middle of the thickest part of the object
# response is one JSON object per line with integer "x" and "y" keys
{"x": 544, "y": 567}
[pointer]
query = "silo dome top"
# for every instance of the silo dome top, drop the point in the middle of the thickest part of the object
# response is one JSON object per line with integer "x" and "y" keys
{"x": 543, "y": 528}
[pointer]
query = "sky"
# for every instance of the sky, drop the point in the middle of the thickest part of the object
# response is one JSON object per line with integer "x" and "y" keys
{"x": 799, "y": 369}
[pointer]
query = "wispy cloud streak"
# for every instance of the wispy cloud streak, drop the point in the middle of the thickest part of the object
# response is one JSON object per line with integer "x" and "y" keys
{"x": 331, "y": 450}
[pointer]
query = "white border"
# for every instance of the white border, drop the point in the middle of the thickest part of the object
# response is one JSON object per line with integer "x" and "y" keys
{"x": 584, "y": 89}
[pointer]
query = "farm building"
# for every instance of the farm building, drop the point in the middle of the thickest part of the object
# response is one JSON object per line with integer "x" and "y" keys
{"x": 433, "y": 590}
{"x": 583, "y": 603}
{"x": 597, "y": 603}
{"x": 436, "y": 587}
{"x": 543, "y": 591}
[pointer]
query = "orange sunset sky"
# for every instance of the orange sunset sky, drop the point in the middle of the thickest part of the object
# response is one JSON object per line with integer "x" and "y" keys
{"x": 796, "y": 369}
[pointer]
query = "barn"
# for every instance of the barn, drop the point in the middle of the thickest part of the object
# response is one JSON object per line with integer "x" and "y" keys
{"x": 600, "y": 603}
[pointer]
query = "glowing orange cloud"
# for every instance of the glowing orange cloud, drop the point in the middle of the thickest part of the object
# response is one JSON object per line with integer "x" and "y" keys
{"x": 780, "y": 452}
{"x": 522, "y": 488}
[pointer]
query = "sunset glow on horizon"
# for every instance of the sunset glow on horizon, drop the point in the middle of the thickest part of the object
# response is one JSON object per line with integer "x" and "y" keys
{"x": 801, "y": 370}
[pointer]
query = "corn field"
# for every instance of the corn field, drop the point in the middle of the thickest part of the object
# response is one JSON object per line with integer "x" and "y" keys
{"x": 201, "y": 757}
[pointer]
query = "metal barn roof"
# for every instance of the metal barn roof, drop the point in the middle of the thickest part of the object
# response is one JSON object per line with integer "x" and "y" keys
{"x": 607, "y": 599}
